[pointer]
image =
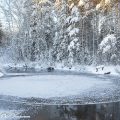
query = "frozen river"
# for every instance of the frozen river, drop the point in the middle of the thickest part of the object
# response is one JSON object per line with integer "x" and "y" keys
{"x": 34, "y": 96}
{"x": 61, "y": 88}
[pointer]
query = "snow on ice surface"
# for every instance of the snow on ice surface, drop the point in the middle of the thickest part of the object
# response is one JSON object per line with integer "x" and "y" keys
{"x": 1, "y": 74}
{"x": 11, "y": 115}
{"x": 48, "y": 86}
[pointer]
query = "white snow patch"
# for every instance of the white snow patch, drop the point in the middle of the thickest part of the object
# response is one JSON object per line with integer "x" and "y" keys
{"x": 114, "y": 70}
{"x": 1, "y": 74}
{"x": 108, "y": 43}
{"x": 73, "y": 32}
{"x": 68, "y": 19}
{"x": 107, "y": 40}
{"x": 69, "y": 28}
{"x": 71, "y": 46}
{"x": 74, "y": 10}
{"x": 74, "y": 20}
{"x": 81, "y": 3}
{"x": 102, "y": 19}
{"x": 47, "y": 86}
{"x": 11, "y": 115}
{"x": 71, "y": 6}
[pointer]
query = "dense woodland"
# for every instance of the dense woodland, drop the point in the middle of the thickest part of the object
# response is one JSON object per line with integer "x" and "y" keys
{"x": 68, "y": 32}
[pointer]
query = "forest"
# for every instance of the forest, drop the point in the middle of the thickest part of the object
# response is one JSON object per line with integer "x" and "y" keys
{"x": 66, "y": 32}
{"x": 59, "y": 59}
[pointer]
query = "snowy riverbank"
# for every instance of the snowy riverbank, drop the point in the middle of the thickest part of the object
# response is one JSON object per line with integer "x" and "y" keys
{"x": 100, "y": 70}
{"x": 36, "y": 68}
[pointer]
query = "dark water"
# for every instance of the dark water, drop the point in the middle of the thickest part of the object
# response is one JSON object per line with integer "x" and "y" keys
{"x": 109, "y": 111}
{"x": 106, "y": 111}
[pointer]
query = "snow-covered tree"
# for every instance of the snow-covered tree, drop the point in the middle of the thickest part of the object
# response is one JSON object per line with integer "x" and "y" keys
{"x": 1, "y": 32}
{"x": 73, "y": 34}
{"x": 60, "y": 53}
{"x": 62, "y": 31}
{"x": 107, "y": 49}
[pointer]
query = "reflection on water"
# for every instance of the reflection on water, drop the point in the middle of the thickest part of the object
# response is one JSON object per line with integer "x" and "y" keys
{"x": 109, "y": 111}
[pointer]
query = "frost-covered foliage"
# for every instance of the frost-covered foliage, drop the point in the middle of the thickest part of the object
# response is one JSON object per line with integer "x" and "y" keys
{"x": 62, "y": 31}
{"x": 73, "y": 33}
{"x": 1, "y": 33}
{"x": 108, "y": 43}
{"x": 108, "y": 48}
{"x": 34, "y": 39}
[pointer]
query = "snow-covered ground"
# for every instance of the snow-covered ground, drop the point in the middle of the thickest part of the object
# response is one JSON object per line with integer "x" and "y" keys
{"x": 114, "y": 70}
{"x": 35, "y": 67}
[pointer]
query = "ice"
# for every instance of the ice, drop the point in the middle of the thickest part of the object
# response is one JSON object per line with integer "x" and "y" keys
{"x": 48, "y": 86}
